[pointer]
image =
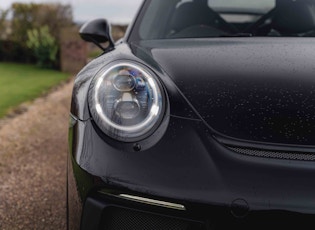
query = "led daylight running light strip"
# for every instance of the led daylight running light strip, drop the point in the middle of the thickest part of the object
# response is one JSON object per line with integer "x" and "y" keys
{"x": 143, "y": 200}
{"x": 153, "y": 202}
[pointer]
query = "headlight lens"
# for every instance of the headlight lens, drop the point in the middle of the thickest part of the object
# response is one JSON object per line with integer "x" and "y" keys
{"x": 125, "y": 101}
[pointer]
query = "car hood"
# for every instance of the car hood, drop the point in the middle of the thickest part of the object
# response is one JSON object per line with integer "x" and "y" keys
{"x": 254, "y": 89}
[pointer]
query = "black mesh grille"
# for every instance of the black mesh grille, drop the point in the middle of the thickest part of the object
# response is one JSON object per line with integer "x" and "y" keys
{"x": 125, "y": 219}
{"x": 274, "y": 154}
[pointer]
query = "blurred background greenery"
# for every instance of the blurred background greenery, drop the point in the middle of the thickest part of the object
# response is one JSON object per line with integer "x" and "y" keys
{"x": 40, "y": 48}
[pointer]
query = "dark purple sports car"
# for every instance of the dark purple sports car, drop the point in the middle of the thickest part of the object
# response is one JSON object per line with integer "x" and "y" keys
{"x": 202, "y": 117}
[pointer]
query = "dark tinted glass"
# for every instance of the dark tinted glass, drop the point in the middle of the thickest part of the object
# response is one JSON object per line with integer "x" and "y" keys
{"x": 166, "y": 19}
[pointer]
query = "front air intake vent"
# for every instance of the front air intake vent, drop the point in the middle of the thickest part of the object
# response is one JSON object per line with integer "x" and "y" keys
{"x": 115, "y": 218}
{"x": 285, "y": 155}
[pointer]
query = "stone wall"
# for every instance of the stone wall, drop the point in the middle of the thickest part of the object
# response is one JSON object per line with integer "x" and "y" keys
{"x": 73, "y": 52}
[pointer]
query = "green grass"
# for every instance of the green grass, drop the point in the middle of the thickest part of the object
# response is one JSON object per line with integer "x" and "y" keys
{"x": 21, "y": 83}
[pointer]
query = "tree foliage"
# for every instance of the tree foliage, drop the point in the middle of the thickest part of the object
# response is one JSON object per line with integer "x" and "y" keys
{"x": 3, "y": 20}
{"x": 29, "y": 16}
{"x": 41, "y": 23}
{"x": 44, "y": 46}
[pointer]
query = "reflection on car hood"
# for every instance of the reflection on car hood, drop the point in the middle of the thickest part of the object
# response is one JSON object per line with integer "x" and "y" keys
{"x": 258, "y": 89}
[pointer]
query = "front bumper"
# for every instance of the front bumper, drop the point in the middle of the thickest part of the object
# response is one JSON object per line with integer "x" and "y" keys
{"x": 188, "y": 166}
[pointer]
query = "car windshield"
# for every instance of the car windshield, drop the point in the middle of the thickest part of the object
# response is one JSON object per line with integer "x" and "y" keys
{"x": 167, "y": 19}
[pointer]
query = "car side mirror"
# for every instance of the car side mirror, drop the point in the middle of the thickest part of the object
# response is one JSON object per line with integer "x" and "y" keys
{"x": 97, "y": 31}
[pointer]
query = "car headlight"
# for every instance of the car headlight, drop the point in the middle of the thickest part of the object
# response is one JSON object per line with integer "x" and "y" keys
{"x": 126, "y": 101}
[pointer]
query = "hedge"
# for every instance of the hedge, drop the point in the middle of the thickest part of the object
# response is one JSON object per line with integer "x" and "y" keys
{"x": 11, "y": 51}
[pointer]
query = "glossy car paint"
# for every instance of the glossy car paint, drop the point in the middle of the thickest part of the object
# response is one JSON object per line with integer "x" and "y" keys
{"x": 255, "y": 94}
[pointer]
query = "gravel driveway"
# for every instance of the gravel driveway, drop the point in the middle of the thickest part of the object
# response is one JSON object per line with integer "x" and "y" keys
{"x": 33, "y": 151}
